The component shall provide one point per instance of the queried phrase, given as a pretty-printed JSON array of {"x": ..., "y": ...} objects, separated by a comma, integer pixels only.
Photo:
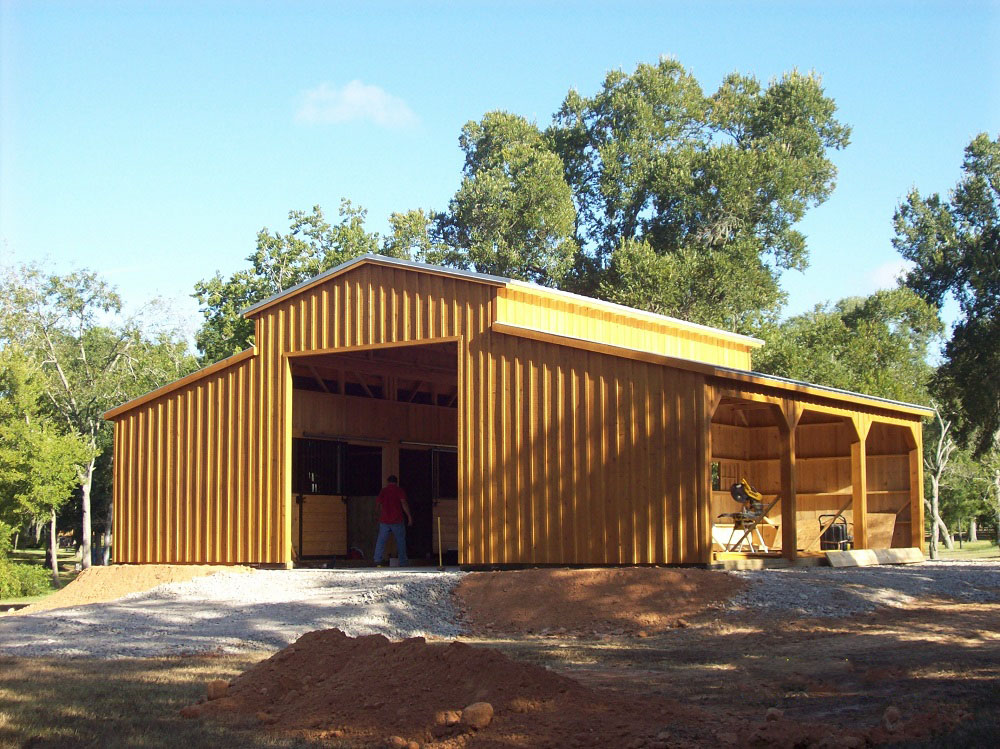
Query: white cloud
[
  {"x": 886, "y": 275},
  {"x": 356, "y": 101}
]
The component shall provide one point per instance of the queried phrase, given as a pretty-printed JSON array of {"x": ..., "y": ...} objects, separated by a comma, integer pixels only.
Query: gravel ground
[
  {"x": 847, "y": 591},
  {"x": 262, "y": 610}
]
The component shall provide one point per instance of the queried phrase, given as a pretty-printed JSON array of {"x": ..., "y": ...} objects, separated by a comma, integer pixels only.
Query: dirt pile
[
  {"x": 628, "y": 601},
  {"x": 100, "y": 584},
  {"x": 368, "y": 690}
]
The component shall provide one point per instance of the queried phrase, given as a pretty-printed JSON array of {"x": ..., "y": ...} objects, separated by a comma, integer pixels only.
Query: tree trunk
[
  {"x": 85, "y": 486},
  {"x": 17, "y": 536},
  {"x": 973, "y": 536},
  {"x": 996, "y": 501},
  {"x": 935, "y": 531},
  {"x": 949, "y": 542},
  {"x": 108, "y": 537},
  {"x": 54, "y": 550},
  {"x": 38, "y": 526}
]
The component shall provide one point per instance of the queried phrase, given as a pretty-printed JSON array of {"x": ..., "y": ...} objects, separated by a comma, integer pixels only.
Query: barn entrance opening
[
  {"x": 359, "y": 416},
  {"x": 745, "y": 447}
]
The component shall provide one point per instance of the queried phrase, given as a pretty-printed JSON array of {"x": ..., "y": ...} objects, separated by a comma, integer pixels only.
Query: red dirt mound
[
  {"x": 100, "y": 584},
  {"x": 627, "y": 600},
  {"x": 369, "y": 691}
]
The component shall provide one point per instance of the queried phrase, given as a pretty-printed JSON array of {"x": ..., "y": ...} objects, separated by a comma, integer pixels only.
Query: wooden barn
[{"x": 531, "y": 426}]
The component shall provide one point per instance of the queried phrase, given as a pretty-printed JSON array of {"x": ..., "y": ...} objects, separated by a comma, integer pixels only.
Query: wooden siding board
[{"x": 576, "y": 317}]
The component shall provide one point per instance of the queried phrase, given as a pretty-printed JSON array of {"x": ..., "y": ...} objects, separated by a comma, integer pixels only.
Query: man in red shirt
[{"x": 393, "y": 505}]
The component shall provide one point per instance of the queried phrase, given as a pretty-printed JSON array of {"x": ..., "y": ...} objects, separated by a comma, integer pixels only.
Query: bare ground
[
  {"x": 102, "y": 584},
  {"x": 656, "y": 658}
]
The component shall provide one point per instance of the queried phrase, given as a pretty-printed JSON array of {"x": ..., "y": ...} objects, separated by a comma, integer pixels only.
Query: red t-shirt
[{"x": 391, "y": 498}]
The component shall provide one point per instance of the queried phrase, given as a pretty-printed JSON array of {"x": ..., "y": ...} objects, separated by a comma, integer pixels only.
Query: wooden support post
[
  {"x": 859, "y": 479},
  {"x": 917, "y": 490},
  {"x": 705, "y": 410},
  {"x": 286, "y": 399},
  {"x": 390, "y": 461},
  {"x": 788, "y": 420},
  {"x": 711, "y": 400}
]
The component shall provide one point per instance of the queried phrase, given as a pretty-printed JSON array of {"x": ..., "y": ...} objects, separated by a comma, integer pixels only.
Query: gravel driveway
[
  {"x": 261, "y": 610},
  {"x": 265, "y": 610},
  {"x": 847, "y": 591}
]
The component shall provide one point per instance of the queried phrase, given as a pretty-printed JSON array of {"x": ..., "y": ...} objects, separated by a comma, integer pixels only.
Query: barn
[{"x": 529, "y": 426}]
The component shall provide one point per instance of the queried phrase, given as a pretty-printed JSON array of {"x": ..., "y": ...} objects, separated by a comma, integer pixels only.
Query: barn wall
[
  {"x": 596, "y": 459},
  {"x": 186, "y": 479},
  {"x": 355, "y": 417},
  {"x": 888, "y": 483},
  {"x": 604, "y": 324}
]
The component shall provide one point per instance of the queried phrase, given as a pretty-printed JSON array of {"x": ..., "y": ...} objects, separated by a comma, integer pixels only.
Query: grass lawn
[
  {"x": 971, "y": 550},
  {"x": 73, "y": 702},
  {"x": 67, "y": 570}
]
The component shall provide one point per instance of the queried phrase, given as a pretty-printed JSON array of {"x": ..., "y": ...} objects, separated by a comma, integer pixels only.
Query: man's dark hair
[{"x": 393, "y": 480}]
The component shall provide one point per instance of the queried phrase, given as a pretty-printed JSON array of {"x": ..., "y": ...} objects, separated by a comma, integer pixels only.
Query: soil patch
[
  {"x": 365, "y": 691},
  {"x": 100, "y": 584},
  {"x": 370, "y": 691},
  {"x": 630, "y": 600}
]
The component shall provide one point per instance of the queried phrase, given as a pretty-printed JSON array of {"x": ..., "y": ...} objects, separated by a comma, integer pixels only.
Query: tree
[
  {"x": 967, "y": 497},
  {"x": 40, "y": 465},
  {"x": 955, "y": 246},
  {"x": 513, "y": 214},
  {"x": 412, "y": 236},
  {"x": 876, "y": 345},
  {"x": 938, "y": 452},
  {"x": 677, "y": 191},
  {"x": 311, "y": 246},
  {"x": 90, "y": 356}
]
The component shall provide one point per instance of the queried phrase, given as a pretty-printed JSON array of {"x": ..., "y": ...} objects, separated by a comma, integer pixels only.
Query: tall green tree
[
  {"x": 679, "y": 192},
  {"x": 40, "y": 463},
  {"x": 90, "y": 355},
  {"x": 513, "y": 214},
  {"x": 876, "y": 345},
  {"x": 955, "y": 247},
  {"x": 311, "y": 245}
]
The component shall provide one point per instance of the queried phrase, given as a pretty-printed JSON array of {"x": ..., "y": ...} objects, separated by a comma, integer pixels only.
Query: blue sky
[{"x": 150, "y": 141}]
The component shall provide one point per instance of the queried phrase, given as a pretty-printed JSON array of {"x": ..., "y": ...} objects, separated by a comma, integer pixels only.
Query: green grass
[
  {"x": 971, "y": 550},
  {"x": 75, "y": 702},
  {"x": 67, "y": 571}
]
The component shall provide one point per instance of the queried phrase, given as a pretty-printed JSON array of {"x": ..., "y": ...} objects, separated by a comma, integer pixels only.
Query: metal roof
[{"x": 827, "y": 388}]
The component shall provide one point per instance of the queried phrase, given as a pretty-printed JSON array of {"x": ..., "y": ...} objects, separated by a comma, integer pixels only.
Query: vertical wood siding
[
  {"x": 181, "y": 490},
  {"x": 575, "y": 457},
  {"x": 604, "y": 324}
]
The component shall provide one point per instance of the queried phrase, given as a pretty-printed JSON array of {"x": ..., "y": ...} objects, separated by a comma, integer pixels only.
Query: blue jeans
[{"x": 399, "y": 533}]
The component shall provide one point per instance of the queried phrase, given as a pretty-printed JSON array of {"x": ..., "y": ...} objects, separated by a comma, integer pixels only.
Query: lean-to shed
[{"x": 531, "y": 426}]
